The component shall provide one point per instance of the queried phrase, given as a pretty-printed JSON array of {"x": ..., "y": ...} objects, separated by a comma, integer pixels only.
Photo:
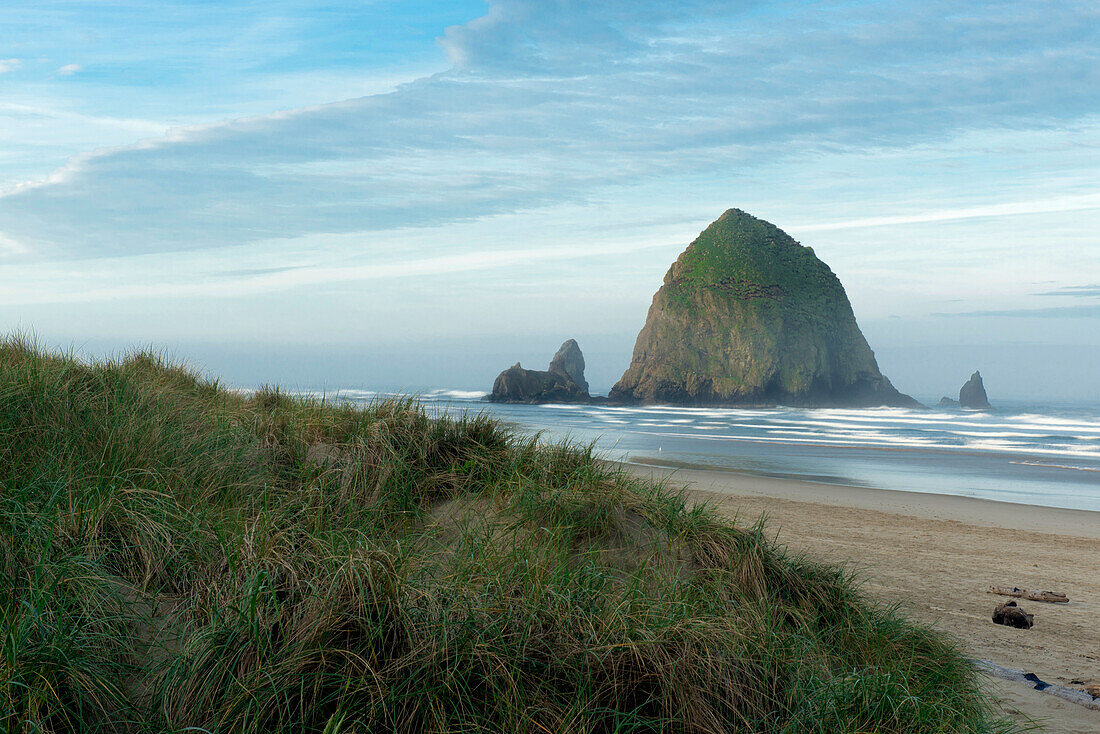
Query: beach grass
[{"x": 176, "y": 556}]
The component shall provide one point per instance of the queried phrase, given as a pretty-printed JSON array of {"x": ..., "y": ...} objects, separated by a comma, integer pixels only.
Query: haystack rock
[
  {"x": 972, "y": 394},
  {"x": 563, "y": 383},
  {"x": 747, "y": 316}
]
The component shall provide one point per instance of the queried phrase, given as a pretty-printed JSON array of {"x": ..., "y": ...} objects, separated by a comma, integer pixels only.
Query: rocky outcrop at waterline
[
  {"x": 748, "y": 316},
  {"x": 972, "y": 394},
  {"x": 563, "y": 382}
]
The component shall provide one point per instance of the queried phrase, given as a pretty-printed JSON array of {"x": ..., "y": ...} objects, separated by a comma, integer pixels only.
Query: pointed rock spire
[{"x": 972, "y": 394}]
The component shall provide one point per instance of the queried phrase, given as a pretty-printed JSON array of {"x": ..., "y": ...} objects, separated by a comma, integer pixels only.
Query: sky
[{"x": 412, "y": 194}]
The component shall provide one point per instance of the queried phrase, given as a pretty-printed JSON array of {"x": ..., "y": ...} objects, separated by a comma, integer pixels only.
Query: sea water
[{"x": 1032, "y": 454}]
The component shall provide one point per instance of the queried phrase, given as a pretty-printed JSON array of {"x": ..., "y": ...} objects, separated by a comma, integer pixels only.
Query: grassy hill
[{"x": 174, "y": 554}]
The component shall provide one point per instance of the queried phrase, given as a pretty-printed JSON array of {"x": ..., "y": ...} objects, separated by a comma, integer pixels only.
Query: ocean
[{"x": 1024, "y": 453}]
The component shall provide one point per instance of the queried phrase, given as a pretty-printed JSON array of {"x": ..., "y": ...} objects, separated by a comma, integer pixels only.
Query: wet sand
[{"x": 936, "y": 556}]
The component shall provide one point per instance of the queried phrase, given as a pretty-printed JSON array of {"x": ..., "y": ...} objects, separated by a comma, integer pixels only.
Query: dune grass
[{"x": 177, "y": 557}]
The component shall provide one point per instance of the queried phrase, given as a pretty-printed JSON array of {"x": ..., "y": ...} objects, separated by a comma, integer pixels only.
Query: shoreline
[
  {"x": 926, "y": 505},
  {"x": 934, "y": 557}
]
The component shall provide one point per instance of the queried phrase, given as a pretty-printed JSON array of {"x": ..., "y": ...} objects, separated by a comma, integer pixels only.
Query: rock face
[
  {"x": 569, "y": 362},
  {"x": 972, "y": 394},
  {"x": 747, "y": 316},
  {"x": 563, "y": 383},
  {"x": 948, "y": 401}
]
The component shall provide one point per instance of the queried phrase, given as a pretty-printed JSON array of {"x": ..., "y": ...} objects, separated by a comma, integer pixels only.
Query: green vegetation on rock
[
  {"x": 178, "y": 557},
  {"x": 746, "y": 315}
]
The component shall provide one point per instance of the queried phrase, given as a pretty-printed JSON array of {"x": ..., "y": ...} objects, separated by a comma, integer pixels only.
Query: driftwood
[
  {"x": 1069, "y": 694},
  {"x": 1049, "y": 596},
  {"x": 1011, "y": 615}
]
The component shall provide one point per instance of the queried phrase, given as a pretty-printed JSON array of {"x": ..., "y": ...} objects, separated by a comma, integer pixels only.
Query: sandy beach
[{"x": 935, "y": 556}]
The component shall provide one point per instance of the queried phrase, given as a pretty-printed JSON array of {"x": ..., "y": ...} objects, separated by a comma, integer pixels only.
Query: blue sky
[{"x": 404, "y": 194}]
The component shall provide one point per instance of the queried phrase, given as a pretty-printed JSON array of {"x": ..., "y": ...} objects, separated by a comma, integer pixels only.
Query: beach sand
[{"x": 936, "y": 556}]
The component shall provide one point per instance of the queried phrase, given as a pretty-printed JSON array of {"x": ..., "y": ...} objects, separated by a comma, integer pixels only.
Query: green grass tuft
[{"x": 179, "y": 557}]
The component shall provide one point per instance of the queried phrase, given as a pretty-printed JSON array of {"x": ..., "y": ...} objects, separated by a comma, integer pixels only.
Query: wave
[
  {"x": 356, "y": 394},
  {"x": 1030, "y": 434},
  {"x": 455, "y": 394},
  {"x": 1035, "y": 457},
  {"x": 1052, "y": 422},
  {"x": 901, "y": 442},
  {"x": 1057, "y": 466}
]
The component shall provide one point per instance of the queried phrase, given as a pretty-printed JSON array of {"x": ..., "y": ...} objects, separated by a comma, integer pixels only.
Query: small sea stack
[
  {"x": 562, "y": 382},
  {"x": 972, "y": 394}
]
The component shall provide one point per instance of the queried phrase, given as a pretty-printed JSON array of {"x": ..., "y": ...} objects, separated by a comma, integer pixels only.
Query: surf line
[{"x": 1055, "y": 466}]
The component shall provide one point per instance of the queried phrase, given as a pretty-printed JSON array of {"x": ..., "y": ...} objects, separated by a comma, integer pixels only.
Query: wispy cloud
[
  {"x": 1058, "y": 312},
  {"x": 1076, "y": 291},
  {"x": 1016, "y": 208},
  {"x": 8, "y": 246},
  {"x": 68, "y": 286},
  {"x": 244, "y": 273},
  {"x": 553, "y": 102},
  {"x": 7, "y": 65},
  {"x": 70, "y": 69}
]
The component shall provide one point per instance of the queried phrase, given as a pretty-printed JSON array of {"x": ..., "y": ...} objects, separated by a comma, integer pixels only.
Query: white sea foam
[
  {"x": 857, "y": 441},
  {"x": 1048, "y": 422},
  {"x": 1058, "y": 466},
  {"x": 455, "y": 394},
  {"x": 349, "y": 394},
  {"x": 1030, "y": 434}
]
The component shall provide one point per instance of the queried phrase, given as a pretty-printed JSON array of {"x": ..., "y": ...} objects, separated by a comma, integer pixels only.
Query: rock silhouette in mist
[{"x": 972, "y": 394}]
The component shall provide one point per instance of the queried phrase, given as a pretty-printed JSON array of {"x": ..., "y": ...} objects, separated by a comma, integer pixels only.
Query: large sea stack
[{"x": 747, "y": 316}]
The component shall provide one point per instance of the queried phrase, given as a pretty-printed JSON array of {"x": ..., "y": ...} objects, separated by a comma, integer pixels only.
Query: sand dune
[{"x": 936, "y": 555}]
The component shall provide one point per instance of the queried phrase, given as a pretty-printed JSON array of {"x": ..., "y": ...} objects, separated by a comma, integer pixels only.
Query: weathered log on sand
[
  {"x": 1053, "y": 597},
  {"x": 1068, "y": 694},
  {"x": 1011, "y": 615}
]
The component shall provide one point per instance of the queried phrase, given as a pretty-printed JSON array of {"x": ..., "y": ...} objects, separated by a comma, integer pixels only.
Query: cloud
[
  {"x": 70, "y": 69},
  {"x": 1045, "y": 206},
  {"x": 1078, "y": 291},
  {"x": 81, "y": 286},
  {"x": 559, "y": 101},
  {"x": 8, "y": 246},
  {"x": 7, "y": 65},
  {"x": 1059, "y": 312},
  {"x": 236, "y": 273}
]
